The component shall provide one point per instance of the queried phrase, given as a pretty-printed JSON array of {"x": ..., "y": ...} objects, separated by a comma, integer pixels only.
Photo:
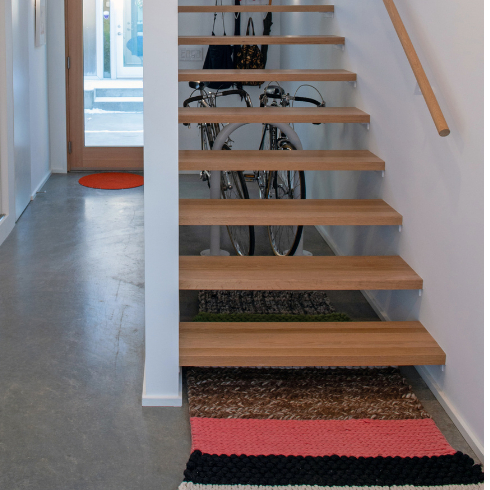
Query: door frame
[{"x": 79, "y": 156}]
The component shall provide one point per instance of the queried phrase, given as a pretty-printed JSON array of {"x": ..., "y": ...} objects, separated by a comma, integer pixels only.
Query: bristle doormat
[
  {"x": 276, "y": 317},
  {"x": 265, "y": 302},
  {"x": 312, "y": 428},
  {"x": 112, "y": 180}
]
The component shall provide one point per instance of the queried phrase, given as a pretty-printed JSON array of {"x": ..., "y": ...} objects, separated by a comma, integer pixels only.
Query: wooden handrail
[{"x": 418, "y": 70}]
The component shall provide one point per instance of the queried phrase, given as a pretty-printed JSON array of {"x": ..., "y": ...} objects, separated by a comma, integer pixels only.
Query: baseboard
[
  {"x": 373, "y": 302},
  {"x": 328, "y": 239},
  {"x": 449, "y": 408},
  {"x": 452, "y": 411},
  {"x": 59, "y": 170},
  {"x": 40, "y": 186},
  {"x": 161, "y": 400},
  {"x": 367, "y": 294},
  {"x": 7, "y": 224}
]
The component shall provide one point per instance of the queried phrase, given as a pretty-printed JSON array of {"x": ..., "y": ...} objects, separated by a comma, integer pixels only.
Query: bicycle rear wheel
[
  {"x": 233, "y": 186},
  {"x": 286, "y": 184}
]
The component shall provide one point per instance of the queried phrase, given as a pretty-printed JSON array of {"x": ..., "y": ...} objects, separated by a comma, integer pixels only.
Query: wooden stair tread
[
  {"x": 256, "y": 75},
  {"x": 308, "y": 344},
  {"x": 308, "y": 212},
  {"x": 189, "y": 9},
  {"x": 244, "y": 40},
  {"x": 279, "y": 160},
  {"x": 297, "y": 273},
  {"x": 272, "y": 115}
]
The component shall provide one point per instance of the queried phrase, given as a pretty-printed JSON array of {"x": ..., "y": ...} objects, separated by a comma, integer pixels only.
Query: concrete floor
[{"x": 71, "y": 346}]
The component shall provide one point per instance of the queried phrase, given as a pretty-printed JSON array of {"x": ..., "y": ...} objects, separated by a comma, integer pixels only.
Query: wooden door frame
[{"x": 81, "y": 157}]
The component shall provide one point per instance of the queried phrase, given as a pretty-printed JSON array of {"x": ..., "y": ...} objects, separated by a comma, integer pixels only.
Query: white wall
[
  {"x": 435, "y": 183},
  {"x": 38, "y": 94},
  {"x": 56, "y": 84},
  {"x": 161, "y": 385},
  {"x": 35, "y": 133}
]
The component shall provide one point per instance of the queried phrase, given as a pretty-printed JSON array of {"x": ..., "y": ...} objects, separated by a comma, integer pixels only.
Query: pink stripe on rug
[{"x": 358, "y": 438}]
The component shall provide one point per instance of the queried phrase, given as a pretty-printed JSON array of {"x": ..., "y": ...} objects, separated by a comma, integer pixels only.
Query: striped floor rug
[{"x": 306, "y": 429}]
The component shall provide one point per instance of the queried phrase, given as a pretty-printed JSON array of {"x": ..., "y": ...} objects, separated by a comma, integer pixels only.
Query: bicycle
[
  {"x": 281, "y": 184},
  {"x": 233, "y": 185}
]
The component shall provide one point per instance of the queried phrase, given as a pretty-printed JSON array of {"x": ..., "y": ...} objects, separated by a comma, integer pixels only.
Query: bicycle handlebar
[
  {"x": 241, "y": 93},
  {"x": 298, "y": 99}
]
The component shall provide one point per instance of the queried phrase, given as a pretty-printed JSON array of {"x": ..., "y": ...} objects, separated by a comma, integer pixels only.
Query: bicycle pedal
[{"x": 249, "y": 177}]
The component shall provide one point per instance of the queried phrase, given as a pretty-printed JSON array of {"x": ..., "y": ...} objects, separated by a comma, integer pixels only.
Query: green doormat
[{"x": 251, "y": 317}]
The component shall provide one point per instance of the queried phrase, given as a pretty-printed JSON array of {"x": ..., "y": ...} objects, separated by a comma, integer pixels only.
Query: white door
[
  {"x": 129, "y": 38},
  {"x": 22, "y": 120}
]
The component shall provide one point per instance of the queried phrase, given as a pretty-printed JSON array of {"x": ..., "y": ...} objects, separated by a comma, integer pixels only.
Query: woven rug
[
  {"x": 265, "y": 302},
  {"x": 311, "y": 428}
]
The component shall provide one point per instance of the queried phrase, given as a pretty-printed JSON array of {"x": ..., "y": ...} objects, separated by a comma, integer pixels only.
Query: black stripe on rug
[{"x": 456, "y": 469}]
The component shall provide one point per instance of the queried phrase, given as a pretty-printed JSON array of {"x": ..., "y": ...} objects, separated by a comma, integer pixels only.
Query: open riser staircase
[{"x": 291, "y": 344}]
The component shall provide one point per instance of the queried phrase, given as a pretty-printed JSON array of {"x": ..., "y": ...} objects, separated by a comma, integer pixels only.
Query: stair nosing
[
  {"x": 306, "y": 212},
  {"x": 307, "y": 344},
  {"x": 254, "y": 8},
  {"x": 284, "y": 160},
  {"x": 269, "y": 40},
  {"x": 349, "y": 115},
  {"x": 209, "y": 75}
]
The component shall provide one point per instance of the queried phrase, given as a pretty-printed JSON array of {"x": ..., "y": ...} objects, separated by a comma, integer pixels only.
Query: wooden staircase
[{"x": 291, "y": 344}]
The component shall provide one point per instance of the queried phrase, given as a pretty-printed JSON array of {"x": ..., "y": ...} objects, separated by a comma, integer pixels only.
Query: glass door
[
  {"x": 105, "y": 84},
  {"x": 129, "y": 38}
]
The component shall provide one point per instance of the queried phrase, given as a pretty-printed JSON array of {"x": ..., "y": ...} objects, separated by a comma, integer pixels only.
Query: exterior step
[
  {"x": 255, "y": 8},
  {"x": 287, "y": 212},
  {"x": 236, "y": 40},
  {"x": 272, "y": 115},
  {"x": 255, "y": 75},
  {"x": 296, "y": 273},
  {"x": 120, "y": 104},
  {"x": 280, "y": 160},
  {"x": 308, "y": 344},
  {"x": 119, "y": 92}
]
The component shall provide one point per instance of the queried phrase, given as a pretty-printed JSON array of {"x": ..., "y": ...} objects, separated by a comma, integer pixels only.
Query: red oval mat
[{"x": 112, "y": 180}]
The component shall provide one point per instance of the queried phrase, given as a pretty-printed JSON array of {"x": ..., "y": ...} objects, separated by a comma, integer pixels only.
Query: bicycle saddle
[
  {"x": 274, "y": 91},
  {"x": 198, "y": 85}
]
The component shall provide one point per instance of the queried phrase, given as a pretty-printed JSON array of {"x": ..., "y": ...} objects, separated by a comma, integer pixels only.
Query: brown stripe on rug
[{"x": 306, "y": 394}]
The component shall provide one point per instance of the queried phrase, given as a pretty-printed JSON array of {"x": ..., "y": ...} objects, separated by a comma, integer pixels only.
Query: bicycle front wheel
[
  {"x": 233, "y": 186},
  {"x": 286, "y": 184}
]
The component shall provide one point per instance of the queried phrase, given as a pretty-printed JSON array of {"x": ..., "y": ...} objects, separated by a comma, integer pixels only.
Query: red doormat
[{"x": 112, "y": 180}]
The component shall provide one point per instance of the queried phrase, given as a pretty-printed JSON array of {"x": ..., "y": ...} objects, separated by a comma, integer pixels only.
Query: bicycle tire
[
  {"x": 242, "y": 237},
  {"x": 285, "y": 239}
]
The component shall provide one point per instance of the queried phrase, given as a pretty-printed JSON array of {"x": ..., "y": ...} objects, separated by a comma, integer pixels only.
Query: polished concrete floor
[{"x": 71, "y": 346}]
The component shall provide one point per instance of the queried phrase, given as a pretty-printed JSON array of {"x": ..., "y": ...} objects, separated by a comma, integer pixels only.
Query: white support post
[
  {"x": 215, "y": 193},
  {"x": 218, "y": 143},
  {"x": 215, "y": 230},
  {"x": 162, "y": 383}
]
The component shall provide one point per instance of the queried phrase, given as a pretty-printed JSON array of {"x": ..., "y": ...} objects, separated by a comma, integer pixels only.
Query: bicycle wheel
[
  {"x": 233, "y": 186},
  {"x": 286, "y": 184},
  {"x": 261, "y": 176}
]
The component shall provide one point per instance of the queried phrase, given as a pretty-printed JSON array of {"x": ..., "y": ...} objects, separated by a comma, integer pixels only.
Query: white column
[{"x": 160, "y": 90}]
